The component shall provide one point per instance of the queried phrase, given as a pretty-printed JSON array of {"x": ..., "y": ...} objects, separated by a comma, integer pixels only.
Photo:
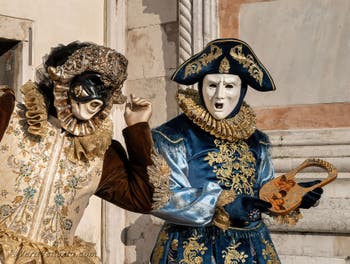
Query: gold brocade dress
[
  {"x": 44, "y": 192},
  {"x": 43, "y": 196}
]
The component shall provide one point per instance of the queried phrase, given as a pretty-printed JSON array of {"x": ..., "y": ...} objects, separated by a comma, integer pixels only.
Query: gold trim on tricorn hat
[{"x": 227, "y": 56}]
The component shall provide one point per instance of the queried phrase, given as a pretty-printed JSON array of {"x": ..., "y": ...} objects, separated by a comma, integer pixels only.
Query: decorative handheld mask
[{"x": 283, "y": 192}]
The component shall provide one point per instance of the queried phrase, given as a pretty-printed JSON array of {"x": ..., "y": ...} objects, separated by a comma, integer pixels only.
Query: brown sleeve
[
  {"x": 7, "y": 104},
  {"x": 124, "y": 181}
]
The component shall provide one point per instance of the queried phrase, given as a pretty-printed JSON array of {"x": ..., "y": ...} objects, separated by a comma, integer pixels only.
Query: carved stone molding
[
  {"x": 185, "y": 30},
  {"x": 20, "y": 29},
  {"x": 197, "y": 26},
  {"x": 113, "y": 217},
  {"x": 290, "y": 148}
]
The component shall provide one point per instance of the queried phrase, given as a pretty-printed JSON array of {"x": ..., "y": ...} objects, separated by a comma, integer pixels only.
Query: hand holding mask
[{"x": 286, "y": 195}]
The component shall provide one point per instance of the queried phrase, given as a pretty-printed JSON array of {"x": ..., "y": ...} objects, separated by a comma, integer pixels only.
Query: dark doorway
[{"x": 10, "y": 58}]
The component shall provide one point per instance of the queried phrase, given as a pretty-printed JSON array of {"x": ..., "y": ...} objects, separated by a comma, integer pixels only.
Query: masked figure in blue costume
[{"x": 218, "y": 161}]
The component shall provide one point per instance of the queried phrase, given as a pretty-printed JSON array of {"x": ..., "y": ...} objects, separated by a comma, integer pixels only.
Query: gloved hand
[
  {"x": 246, "y": 209},
  {"x": 310, "y": 198}
]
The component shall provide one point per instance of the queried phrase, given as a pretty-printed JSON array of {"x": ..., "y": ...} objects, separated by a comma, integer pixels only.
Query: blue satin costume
[
  {"x": 197, "y": 159},
  {"x": 205, "y": 164}
]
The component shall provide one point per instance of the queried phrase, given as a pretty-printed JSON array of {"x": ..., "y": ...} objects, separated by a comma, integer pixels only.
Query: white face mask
[
  {"x": 85, "y": 111},
  {"x": 221, "y": 94}
]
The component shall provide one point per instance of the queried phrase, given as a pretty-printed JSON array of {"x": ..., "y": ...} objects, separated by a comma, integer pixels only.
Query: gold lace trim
[
  {"x": 87, "y": 147},
  {"x": 290, "y": 219},
  {"x": 19, "y": 249},
  {"x": 83, "y": 148},
  {"x": 68, "y": 121},
  {"x": 159, "y": 175},
  {"x": 221, "y": 218},
  {"x": 239, "y": 127},
  {"x": 36, "y": 112}
]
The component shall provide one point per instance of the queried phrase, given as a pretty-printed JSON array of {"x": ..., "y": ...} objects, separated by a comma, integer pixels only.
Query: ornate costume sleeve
[
  {"x": 265, "y": 168},
  {"x": 124, "y": 180},
  {"x": 7, "y": 103},
  {"x": 187, "y": 205}
]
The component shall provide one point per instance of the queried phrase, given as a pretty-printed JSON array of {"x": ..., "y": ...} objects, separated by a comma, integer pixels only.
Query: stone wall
[
  {"x": 152, "y": 33},
  {"x": 324, "y": 231},
  {"x": 304, "y": 45},
  {"x": 58, "y": 21},
  {"x": 152, "y": 46}
]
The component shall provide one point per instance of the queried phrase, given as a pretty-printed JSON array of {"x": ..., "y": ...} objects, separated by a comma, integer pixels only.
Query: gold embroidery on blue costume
[
  {"x": 237, "y": 168},
  {"x": 269, "y": 253},
  {"x": 158, "y": 251},
  {"x": 232, "y": 255},
  {"x": 193, "y": 250}
]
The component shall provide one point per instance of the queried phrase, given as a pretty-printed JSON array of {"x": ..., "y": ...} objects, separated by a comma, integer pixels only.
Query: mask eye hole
[
  {"x": 95, "y": 104},
  {"x": 212, "y": 85},
  {"x": 78, "y": 90},
  {"x": 230, "y": 86}
]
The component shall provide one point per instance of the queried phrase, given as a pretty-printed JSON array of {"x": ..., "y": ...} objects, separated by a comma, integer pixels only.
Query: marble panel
[
  {"x": 313, "y": 260},
  {"x": 149, "y": 51},
  {"x": 316, "y": 245},
  {"x": 305, "y": 45},
  {"x": 142, "y": 13},
  {"x": 161, "y": 92}
]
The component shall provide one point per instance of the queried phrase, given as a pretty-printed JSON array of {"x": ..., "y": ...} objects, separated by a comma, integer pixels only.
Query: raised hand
[{"x": 137, "y": 110}]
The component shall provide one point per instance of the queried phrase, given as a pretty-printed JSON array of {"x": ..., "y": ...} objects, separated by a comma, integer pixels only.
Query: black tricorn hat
[{"x": 230, "y": 56}]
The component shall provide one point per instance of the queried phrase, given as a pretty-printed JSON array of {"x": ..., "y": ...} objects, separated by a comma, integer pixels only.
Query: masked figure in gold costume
[{"x": 56, "y": 151}]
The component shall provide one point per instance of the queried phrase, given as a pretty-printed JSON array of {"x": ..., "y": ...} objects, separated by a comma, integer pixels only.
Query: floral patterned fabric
[
  {"x": 42, "y": 193},
  {"x": 16, "y": 249}
]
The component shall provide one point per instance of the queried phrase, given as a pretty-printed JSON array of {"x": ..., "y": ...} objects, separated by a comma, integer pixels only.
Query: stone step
[
  {"x": 285, "y": 259},
  {"x": 331, "y": 216},
  {"x": 320, "y": 245},
  {"x": 310, "y": 137}
]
